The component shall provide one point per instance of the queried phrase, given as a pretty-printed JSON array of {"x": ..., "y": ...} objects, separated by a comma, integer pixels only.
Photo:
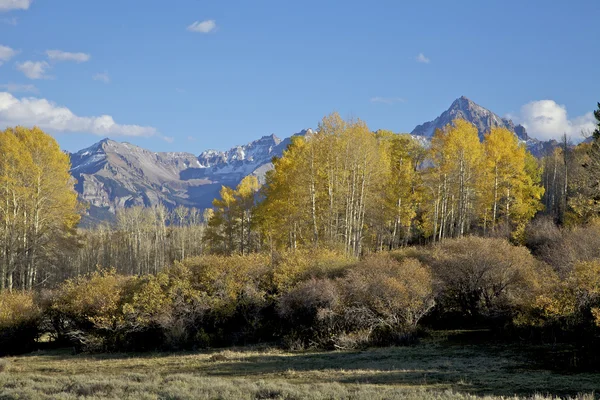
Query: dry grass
[{"x": 429, "y": 371}]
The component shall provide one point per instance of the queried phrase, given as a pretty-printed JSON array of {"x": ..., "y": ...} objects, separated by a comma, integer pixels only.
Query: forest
[{"x": 357, "y": 239}]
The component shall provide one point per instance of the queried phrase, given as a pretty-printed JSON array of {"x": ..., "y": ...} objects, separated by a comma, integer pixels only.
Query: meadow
[{"x": 434, "y": 369}]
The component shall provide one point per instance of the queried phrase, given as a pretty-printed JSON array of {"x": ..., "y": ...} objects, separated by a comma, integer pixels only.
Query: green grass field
[{"x": 428, "y": 371}]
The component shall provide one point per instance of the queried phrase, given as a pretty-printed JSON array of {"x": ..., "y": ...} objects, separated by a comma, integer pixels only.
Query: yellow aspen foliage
[
  {"x": 511, "y": 190},
  {"x": 324, "y": 188},
  {"x": 38, "y": 206},
  {"x": 457, "y": 157},
  {"x": 230, "y": 225}
]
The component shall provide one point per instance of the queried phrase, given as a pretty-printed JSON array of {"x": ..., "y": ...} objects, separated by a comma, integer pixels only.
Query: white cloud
[
  {"x": 34, "y": 69},
  {"x": 203, "y": 27},
  {"x": 545, "y": 120},
  {"x": 387, "y": 100},
  {"x": 59, "y": 55},
  {"x": 103, "y": 77},
  {"x": 422, "y": 59},
  {"x": 51, "y": 117},
  {"x": 17, "y": 88},
  {"x": 7, "y": 5},
  {"x": 6, "y": 53}
]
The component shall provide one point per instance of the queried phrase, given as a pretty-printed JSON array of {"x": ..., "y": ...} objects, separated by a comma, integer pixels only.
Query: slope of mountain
[
  {"x": 484, "y": 120},
  {"x": 112, "y": 175}
]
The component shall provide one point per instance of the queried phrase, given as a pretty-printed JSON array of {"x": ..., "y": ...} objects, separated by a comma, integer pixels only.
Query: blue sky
[{"x": 188, "y": 75}]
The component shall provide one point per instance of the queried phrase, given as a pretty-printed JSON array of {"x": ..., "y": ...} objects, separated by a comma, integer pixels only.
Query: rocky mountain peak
[{"x": 465, "y": 108}]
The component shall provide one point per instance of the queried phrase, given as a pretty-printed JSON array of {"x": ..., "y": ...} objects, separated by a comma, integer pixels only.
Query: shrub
[
  {"x": 378, "y": 302},
  {"x": 575, "y": 299},
  {"x": 541, "y": 234},
  {"x": 91, "y": 307},
  {"x": 233, "y": 292},
  {"x": 20, "y": 318},
  {"x": 485, "y": 278},
  {"x": 397, "y": 293},
  {"x": 93, "y": 300},
  {"x": 310, "y": 310},
  {"x": 568, "y": 311},
  {"x": 292, "y": 267},
  {"x": 581, "y": 243}
]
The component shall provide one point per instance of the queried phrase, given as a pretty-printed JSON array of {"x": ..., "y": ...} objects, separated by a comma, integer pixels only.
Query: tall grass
[{"x": 431, "y": 371}]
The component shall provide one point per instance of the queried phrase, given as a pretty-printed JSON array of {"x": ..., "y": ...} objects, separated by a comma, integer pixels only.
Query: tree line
[
  {"x": 348, "y": 188},
  {"x": 343, "y": 187}
]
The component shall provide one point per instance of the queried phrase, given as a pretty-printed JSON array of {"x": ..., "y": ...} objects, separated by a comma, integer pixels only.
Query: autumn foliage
[{"x": 358, "y": 238}]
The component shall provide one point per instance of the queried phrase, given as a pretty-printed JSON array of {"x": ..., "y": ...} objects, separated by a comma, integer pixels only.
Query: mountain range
[{"x": 112, "y": 175}]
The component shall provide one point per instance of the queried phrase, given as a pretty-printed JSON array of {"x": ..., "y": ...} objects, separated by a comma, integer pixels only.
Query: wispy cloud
[
  {"x": 422, "y": 59},
  {"x": 8, "y": 5},
  {"x": 102, "y": 77},
  {"x": 34, "y": 69},
  {"x": 59, "y": 55},
  {"x": 387, "y": 100},
  {"x": 546, "y": 119},
  {"x": 47, "y": 115},
  {"x": 203, "y": 27},
  {"x": 10, "y": 21},
  {"x": 18, "y": 88},
  {"x": 6, "y": 53}
]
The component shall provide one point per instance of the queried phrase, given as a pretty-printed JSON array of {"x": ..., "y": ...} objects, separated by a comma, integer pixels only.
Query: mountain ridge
[{"x": 112, "y": 175}]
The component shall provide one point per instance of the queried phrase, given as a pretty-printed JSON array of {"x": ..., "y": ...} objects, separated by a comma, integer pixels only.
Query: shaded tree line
[{"x": 326, "y": 299}]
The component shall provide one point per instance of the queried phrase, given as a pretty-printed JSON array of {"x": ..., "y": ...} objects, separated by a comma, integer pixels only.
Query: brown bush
[
  {"x": 485, "y": 277},
  {"x": 577, "y": 244},
  {"x": 310, "y": 309},
  {"x": 397, "y": 294},
  {"x": 303, "y": 303},
  {"x": 541, "y": 234}
]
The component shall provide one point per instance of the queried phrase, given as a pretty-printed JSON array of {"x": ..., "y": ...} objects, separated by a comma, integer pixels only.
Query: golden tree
[
  {"x": 457, "y": 155},
  {"x": 39, "y": 207},
  {"x": 510, "y": 186},
  {"x": 229, "y": 227}
]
